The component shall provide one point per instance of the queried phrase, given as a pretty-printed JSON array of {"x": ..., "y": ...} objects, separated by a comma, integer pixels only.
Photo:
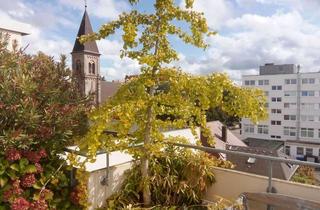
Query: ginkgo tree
[{"x": 162, "y": 97}]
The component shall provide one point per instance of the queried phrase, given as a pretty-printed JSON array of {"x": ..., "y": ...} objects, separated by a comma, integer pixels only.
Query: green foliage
[
  {"x": 125, "y": 113},
  {"x": 162, "y": 97},
  {"x": 40, "y": 107},
  {"x": 213, "y": 114},
  {"x": 305, "y": 175},
  {"x": 178, "y": 177},
  {"x": 45, "y": 185},
  {"x": 39, "y": 102}
]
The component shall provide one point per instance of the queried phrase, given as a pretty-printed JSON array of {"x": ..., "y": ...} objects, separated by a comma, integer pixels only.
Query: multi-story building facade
[{"x": 293, "y": 103}]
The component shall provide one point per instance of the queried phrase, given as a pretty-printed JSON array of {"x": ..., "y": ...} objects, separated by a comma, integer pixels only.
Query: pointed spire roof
[{"x": 85, "y": 28}]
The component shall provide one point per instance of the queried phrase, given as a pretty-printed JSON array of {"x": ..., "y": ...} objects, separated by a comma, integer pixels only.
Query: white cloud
[
  {"x": 109, "y": 9},
  {"x": 37, "y": 20},
  {"x": 215, "y": 11},
  {"x": 255, "y": 40},
  {"x": 117, "y": 68}
]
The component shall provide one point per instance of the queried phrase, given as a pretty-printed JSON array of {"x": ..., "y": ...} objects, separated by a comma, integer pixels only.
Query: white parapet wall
[
  {"x": 104, "y": 181},
  {"x": 98, "y": 191},
  {"x": 230, "y": 184}
]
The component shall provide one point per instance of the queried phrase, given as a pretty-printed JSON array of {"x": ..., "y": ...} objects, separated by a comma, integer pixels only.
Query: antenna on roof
[{"x": 85, "y": 4}]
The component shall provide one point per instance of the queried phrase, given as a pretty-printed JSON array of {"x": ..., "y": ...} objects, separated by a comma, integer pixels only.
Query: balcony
[{"x": 252, "y": 191}]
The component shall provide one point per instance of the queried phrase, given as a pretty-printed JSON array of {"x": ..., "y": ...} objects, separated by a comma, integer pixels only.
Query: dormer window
[{"x": 92, "y": 67}]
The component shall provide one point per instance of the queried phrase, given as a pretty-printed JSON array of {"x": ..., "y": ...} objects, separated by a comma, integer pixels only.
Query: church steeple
[
  {"x": 85, "y": 29},
  {"x": 86, "y": 62}
]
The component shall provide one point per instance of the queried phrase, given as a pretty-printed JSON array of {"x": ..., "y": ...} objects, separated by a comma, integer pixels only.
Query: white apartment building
[{"x": 293, "y": 107}]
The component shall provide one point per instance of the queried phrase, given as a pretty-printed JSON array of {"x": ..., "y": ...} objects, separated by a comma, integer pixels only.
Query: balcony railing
[{"x": 305, "y": 200}]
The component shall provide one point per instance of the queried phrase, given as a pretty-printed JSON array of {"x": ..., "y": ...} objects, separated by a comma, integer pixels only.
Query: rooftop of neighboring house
[
  {"x": 268, "y": 144},
  {"x": 258, "y": 166},
  {"x": 216, "y": 131},
  {"x": 108, "y": 89}
]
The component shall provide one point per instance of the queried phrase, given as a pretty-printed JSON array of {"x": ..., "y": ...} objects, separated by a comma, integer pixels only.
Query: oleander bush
[{"x": 41, "y": 112}]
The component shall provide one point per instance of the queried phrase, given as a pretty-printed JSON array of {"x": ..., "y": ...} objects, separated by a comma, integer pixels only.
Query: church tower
[{"x": 86, "y": 62}]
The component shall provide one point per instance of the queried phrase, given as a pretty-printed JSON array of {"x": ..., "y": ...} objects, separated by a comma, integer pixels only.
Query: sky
[{"x": 250, "y": 33}]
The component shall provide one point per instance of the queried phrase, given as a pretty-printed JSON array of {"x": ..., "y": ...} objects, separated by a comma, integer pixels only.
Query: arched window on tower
[
  {"x": 78, "y": 65},
  {"x": 92, "y": 67}
]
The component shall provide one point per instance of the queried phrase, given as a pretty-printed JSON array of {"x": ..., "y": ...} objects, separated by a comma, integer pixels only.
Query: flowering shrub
[
  {"x": 41, "y": 111},
  {"x": 27, "y": 184}
]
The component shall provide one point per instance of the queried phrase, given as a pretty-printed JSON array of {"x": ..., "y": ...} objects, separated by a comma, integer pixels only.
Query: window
[
  {"x": 78, "y": 65},
  {"x": 263, "y": 129},
  {"x": 308, "y": 81},
  {"x": 309, "y": 118},
  {"x": 290, "y": 105},
  {"x": 290, "y": 81},
  {"x": 276, "y": 87},
  {"x": 309, "y": 151},
  {"x": 287, "y": 150},
  {"x": 92, "y": 67},
  {"x": 266, "y": 93},
  {"x": 289, "y": 117},
  {"x": 300, "y": 151},
  {"x": 275, "y": 122},
  {"x": 276, "y": 111},
  {"x": 307, "y": 132},
  {"x": 248, "y": 128},
  {"x": 247, "y": 82},
  {"x": 274, "y": 99},
  {"x": 266, "y": 105},
  {"x": 307, "y": 105},
  {"x": 263, "y": 82},
  {"x": 290, "y": 93},
  {"x": 275, "y": 137},
  {"x": 289, "y": 131},
  {"x": 307, "y": 93}
]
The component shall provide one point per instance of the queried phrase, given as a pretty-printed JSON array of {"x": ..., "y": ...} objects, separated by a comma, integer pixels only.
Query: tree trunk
[
  {"x": 146, "y": 187},
  {"x": 147, "y": 139},
  {"x": 145, "y": 160}
]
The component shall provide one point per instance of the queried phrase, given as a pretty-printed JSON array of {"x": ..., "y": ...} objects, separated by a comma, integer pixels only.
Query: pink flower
[
  {"x": 13, "y": 154},
  {"x": 7, "y": 195},
  {"x": 39, "y": 168},
  {"x": 28, "y": 180},
  {"x": 42, "y": 153},
  {"x": 20, "y": 204},
  {"x": 13, "y": 191},
  {"x": 39, "y": 205},
  {"x": 46, "y": 194},
  {"x": 74, "y": 196},
  {"x": 16, "y": 187},
  {"x": 32, "y": 156}
]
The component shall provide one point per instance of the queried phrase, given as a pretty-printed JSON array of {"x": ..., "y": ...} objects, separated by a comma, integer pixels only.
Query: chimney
[{"x": 224, "y": 133}]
